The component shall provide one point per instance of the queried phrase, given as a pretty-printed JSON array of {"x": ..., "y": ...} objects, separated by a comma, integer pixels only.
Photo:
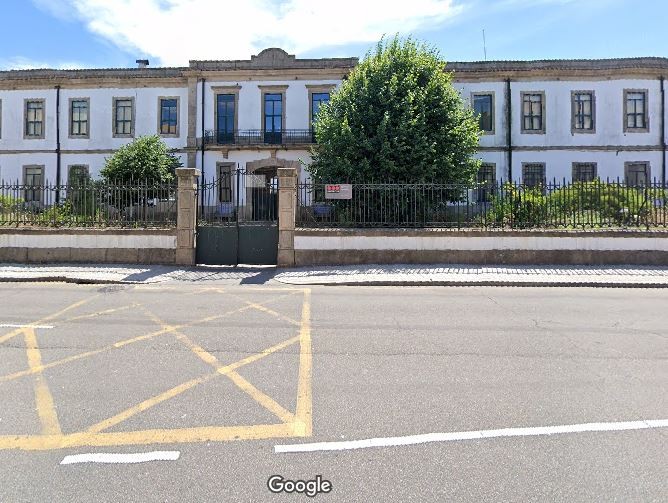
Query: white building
[{"x": 568, "y": 118}]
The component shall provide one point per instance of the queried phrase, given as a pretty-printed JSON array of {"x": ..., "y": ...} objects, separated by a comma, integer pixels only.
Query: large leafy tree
[
  {"x": 145, "y": 160},
  {"x": 396, "y": 118}
]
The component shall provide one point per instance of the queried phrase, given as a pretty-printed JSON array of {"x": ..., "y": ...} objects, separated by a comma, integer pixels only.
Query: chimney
[{"x": 142, "y": 63}]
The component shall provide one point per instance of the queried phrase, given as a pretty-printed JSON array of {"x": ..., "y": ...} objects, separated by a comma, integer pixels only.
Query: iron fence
[
  {"x": 237, "y": 196},
  {"x": 502, "y": 205},
  {"x": 259, "y": 137},
  {"x": 89, "y": 203}
]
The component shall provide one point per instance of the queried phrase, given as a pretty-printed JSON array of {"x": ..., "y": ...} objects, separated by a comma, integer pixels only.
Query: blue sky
[{"x": 113, "y": 33}]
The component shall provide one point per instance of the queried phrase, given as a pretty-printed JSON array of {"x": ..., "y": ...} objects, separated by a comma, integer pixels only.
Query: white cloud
[
  {"x": 21, "y": 63},
  {"x": 175, "y": 31}
]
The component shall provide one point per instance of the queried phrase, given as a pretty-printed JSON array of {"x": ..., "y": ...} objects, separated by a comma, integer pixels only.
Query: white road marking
[
  {"x": 11, "y": 325},
  {"x": 471, "y": 435},
  {"x": 140, "y": 457}
]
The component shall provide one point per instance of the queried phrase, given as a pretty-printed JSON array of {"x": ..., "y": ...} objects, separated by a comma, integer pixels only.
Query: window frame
[
  {"x": 71, "y": 121},
  {"x": 317, "y": 89},
  {"x": 86, "y": 168},
  {"x": 178, "y": 117},
  {"x": 574, "y": 128},
  {"x": 493, "y": 114},
  {"x": 648, "y": 172},
  {"x": 526, "y": 166},
  {"x": 483, "y": 195},
  {"x": 264, "y": 90},
  {"x": 41, "y": 167},
  {"x": 26, "y": 136},
  {"x": 230, "y": 90},
  {"x": 577, "y": 164},
  {"x": 543, "y": 110},
  {"x": 228, "y": 167},
  {"x": 116, "y": 99},
  {"x": 628, "y": 129}
]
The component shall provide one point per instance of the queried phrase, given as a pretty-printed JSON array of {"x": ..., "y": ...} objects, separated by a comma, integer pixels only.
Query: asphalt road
[{"x": 222, "y": 373}]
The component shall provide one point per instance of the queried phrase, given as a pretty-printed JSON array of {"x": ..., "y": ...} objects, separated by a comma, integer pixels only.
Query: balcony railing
[{"x": 259, "y": 137}]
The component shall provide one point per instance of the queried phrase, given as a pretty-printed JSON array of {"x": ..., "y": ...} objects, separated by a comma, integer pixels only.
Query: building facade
[{"x": 542, "y": 120}]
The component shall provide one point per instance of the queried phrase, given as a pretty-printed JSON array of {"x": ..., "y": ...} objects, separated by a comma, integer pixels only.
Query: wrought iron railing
[
  {"x": 238, "y": 196},
  {"x": 259, "y": 137},
  {"x": 91, "y": 203},
  {"x": 556, "y": 205}
]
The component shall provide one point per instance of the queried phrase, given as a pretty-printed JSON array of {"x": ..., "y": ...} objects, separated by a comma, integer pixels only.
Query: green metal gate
[{"x": 237, "y": 218}]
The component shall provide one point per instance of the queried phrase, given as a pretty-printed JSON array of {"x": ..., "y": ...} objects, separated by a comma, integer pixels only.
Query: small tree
[
  {"x": 396, "y": 118},
  {"x": 146, "y": 160}
]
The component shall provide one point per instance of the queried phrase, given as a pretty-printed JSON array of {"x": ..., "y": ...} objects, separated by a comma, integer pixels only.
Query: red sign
[{"x": 333, "y": 189}]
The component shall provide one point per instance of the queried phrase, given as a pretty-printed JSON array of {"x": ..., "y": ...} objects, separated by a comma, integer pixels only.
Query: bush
[
  {"x": 580, "y": 204},
  {"x": 147, "y": 160},
  {"x": 518, "y": 206}
]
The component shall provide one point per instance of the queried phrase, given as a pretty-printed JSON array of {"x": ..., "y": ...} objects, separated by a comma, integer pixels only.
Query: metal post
[
  {"x": 57, "y": 145},
  {"x": 236, "y": 211}
]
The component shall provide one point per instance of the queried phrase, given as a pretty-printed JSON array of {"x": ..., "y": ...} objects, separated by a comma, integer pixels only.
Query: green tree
[
  {"x": 396, "y": 118},
  {"x": 146, "y": 159}
]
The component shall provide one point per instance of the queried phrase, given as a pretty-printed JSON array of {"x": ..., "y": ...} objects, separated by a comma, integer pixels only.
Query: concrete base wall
[
  {"x": 417, "y": 246},
  {"x": 119, "y": 246}
]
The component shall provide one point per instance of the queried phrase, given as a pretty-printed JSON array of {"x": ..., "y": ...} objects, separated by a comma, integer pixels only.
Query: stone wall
[
  {"x": 414, "y": 246},
  {"x": 126, "y": 246}
]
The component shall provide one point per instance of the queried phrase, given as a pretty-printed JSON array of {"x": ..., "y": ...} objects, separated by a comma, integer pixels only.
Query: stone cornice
[
  {"x": 275, "y": 59},
  {"x": 275, "y": 64}
]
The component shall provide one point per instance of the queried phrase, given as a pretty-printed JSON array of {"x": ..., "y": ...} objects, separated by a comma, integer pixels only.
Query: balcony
[{"x": 254, "y": 137}]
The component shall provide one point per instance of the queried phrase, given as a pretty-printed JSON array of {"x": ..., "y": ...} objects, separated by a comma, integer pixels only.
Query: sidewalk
[{"x": 380, "y": 275}]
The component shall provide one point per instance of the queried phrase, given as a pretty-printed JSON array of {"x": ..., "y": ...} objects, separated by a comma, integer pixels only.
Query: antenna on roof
[{"x": 484, "y": 44}]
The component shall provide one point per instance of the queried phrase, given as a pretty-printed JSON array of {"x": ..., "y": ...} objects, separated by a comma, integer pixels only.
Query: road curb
[
  {"x": 64, "y": 279},
  {"x": 526, "y": 284},
  {"x": 444, "y": 283}
]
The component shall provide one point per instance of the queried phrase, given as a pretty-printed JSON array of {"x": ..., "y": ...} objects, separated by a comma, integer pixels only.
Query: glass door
[
  {"x": 273, "y": 118},
  {"x": 225, "y": 117}
]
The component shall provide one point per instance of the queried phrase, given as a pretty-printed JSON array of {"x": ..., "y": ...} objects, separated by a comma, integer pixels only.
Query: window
[
  {"x": 582, "y": 106},
  {"x": 34, "y": 123},
  {"x": 637, "y": 174},
  {"x": 123, "y": 117},
  {"x": 533, "y": 174},
  {"x": 168, "y": 116},
  {"x": 533, "y": 112},
  {"x": 79, "y": 118},
  {"x": 635, "y": 111},
  {"x": 225, "y": 183},
  {"x": 487, "y": 183},
  {"x": 225, "y": 116},
  {"x": 483, "y": 106},
  {"x": 273, "y": 117},
  {"x": 33, "y": 181},
  {"x": 77, "y": 174},
  {"x": 584, "y": 171},
  {"x": 317, "y": 100}
]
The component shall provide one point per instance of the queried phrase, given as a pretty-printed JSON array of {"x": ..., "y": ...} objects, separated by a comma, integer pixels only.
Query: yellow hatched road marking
[
  {"x": 43, "y": 399},
  {"x": 147, "y": 404},
  {"x": 120, "y": 344},
  {"x": 304, "y": 420},
  {"x": 100, "y": 313},
  {"x": 146, "y": 437},
  {"x": 294, "y": 425},
  {"x": 263, "y": 399},
  {"x": 19, "y": 331},
  {"x": 273, "y": 313},
  {"x": 181, "y": 388}
]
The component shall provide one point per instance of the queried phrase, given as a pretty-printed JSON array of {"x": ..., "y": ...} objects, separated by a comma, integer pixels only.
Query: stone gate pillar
[
  {"x": 186, "y": 216},
  {"x": 287, "y": 209}
]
